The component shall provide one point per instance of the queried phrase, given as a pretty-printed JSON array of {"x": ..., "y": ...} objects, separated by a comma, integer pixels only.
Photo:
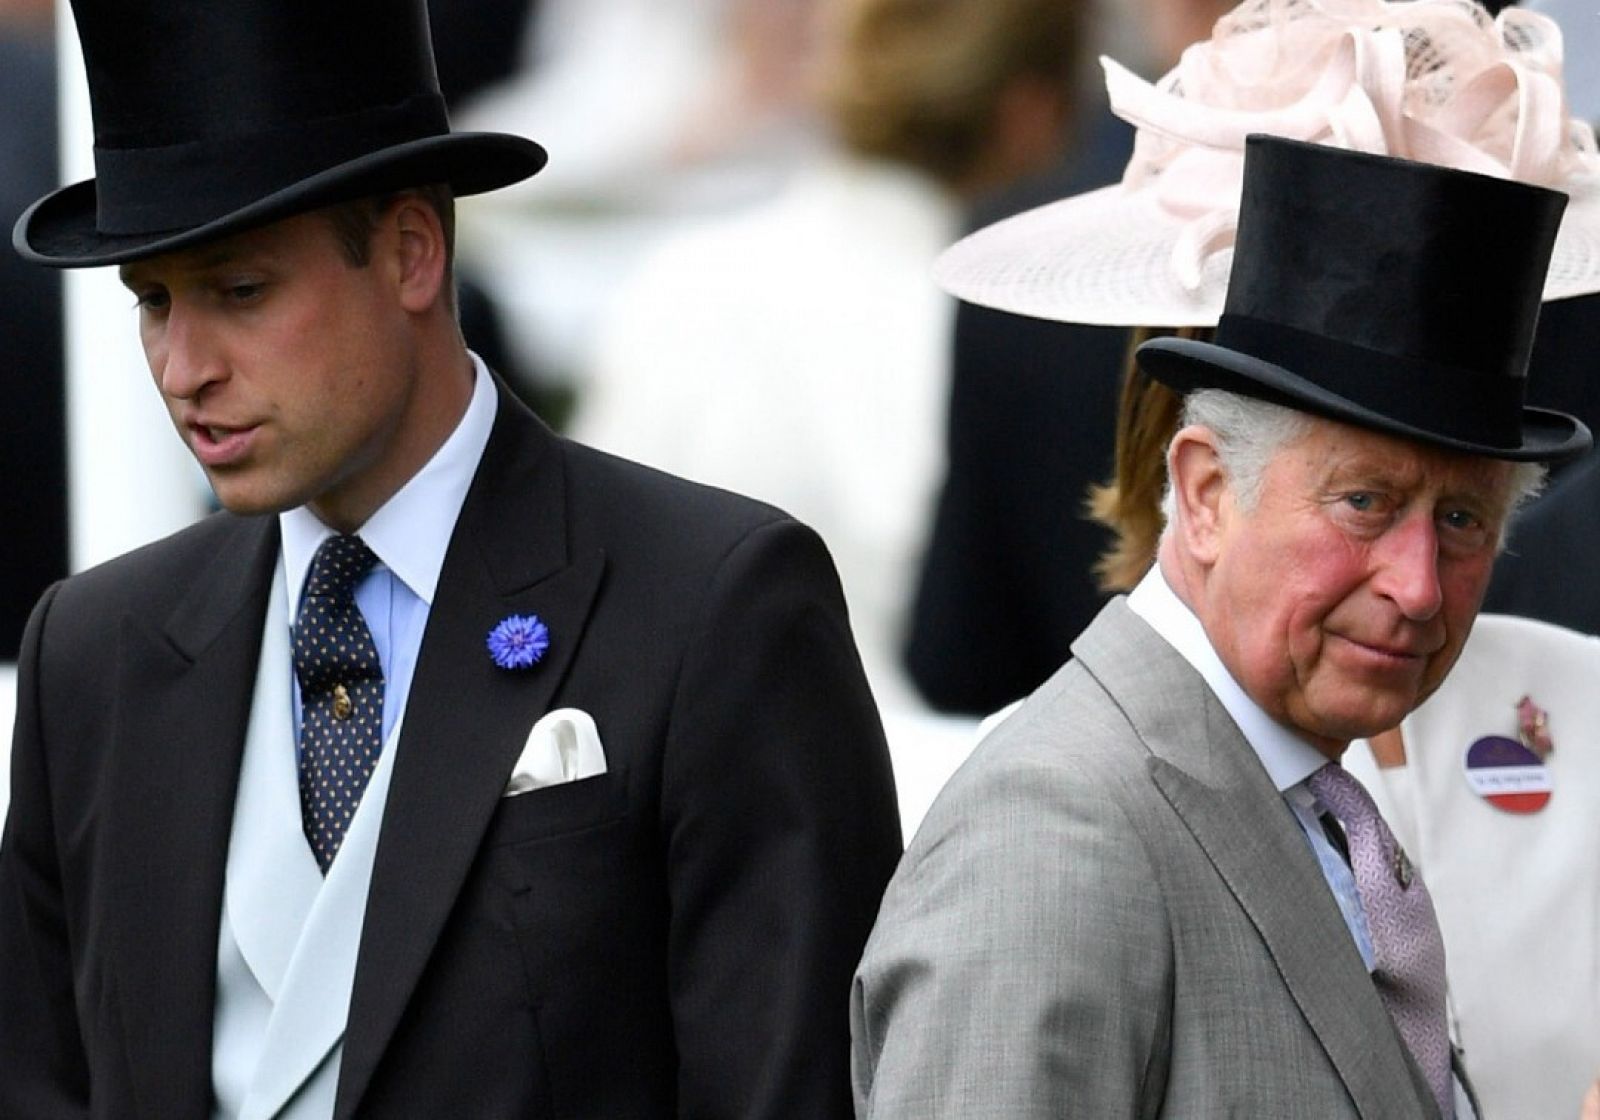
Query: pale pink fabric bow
[{"x": 1430, "y": 80}]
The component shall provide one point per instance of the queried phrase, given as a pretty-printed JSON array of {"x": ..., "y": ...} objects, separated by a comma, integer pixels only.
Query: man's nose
[
  {"x": 1408, "y": 567},
  {"x": 187, "y": 358}
]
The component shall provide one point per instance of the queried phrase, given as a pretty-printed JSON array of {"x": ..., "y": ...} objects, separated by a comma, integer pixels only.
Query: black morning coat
[{"x": 673, "y": 938}]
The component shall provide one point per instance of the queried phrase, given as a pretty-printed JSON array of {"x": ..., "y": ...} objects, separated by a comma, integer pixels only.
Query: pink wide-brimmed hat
[{"x": 1435, "y": 81}]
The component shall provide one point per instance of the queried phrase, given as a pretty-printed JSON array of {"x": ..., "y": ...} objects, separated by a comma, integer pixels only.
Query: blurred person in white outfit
[
  {"x": 799, "y": 351},
  {"x": 661, "y": 111},
  {"x": 1507, "y": 840}
]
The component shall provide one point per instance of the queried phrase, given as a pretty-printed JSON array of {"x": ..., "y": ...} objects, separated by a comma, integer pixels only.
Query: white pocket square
[{"x": 562, "y": 747}]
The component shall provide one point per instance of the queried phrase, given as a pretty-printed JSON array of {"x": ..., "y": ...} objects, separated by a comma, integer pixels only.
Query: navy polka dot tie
[{"x": 341, "y": 695}]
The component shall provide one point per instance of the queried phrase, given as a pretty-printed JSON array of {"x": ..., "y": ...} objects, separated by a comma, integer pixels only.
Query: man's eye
[
  {"x": 243, "y": 293},
  {"x": 1361, "y": 502},
  {"x": 154, "y": 299}
]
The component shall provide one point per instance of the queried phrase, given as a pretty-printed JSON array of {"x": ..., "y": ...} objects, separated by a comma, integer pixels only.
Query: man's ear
[
  {"x": 420, "y": 254},
  {"x": 1204, "y": 501}
]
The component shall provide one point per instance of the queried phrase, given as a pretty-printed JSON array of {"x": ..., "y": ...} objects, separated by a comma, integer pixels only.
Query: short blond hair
[{"x": 920, "y": 81}]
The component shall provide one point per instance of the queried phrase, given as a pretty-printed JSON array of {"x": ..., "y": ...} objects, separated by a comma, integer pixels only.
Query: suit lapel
[
  {"x": 183, "y": 701},
  {"x": 466, "y": 720},
  {"x": 1219, "y": 789}
]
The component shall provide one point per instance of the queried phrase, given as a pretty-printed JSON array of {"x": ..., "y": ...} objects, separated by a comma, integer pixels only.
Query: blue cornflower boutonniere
[{"x": 518, "y": 641}]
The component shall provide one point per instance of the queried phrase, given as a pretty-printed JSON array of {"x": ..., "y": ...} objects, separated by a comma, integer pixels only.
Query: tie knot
[
  {"x": 339, "y": 564},
  {"x": 1343, "y": 796}
]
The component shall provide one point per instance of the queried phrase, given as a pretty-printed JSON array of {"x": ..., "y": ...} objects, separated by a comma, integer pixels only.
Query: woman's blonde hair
[
  {"x": 1129, "y": 503},
  {"x": 919, "y": 81}
]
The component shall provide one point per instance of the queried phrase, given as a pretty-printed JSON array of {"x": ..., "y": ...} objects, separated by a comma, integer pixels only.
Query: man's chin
[
  {"x": 249, "y": 501},
  {"x": 1362, "y": 718},
  {"x": 1378, "y": 720}
]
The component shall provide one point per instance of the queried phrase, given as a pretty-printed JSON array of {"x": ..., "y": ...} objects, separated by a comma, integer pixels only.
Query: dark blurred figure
[
  {"x": 33, "y": 460},
  {"x": 476, "y": 43},
  {"x": 1005, "y": 583},
  {"x": 1562, "y": 375},
  {"x": 1544, "y": 572}
]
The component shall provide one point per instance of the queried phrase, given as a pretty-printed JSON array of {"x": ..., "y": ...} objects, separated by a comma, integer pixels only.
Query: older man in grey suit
[{"x": 1152, "y": 891}]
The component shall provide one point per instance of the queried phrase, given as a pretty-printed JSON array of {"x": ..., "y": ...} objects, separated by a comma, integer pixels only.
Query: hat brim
[
  {"x": 59, "y": 229},
  {"x": 1106, "y": 258},
  {"x": 1186, "y": 364}
]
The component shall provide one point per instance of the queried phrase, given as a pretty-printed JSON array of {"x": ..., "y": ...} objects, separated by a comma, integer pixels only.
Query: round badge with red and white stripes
[{"x": 1508, "y": 775}]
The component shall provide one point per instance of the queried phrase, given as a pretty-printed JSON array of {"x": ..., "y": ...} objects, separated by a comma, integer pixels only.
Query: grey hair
[
  {"x": 1527, "y": 480},
  {"x": 1250, "y": 432}
]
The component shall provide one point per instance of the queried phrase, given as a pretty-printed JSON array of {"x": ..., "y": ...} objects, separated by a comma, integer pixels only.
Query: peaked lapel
[
  {"x": 466, "y": 719},
  {"x": 1217, "y": 786},
  {"x": 182, "y": 700}
]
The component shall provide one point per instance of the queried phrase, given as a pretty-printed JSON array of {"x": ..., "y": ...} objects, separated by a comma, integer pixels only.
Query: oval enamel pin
[{"x": 1508, "y": 775}]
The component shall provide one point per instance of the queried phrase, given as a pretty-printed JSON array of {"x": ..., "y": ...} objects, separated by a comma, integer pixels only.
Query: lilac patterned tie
[
  {"x": 1408, "y": 951},
  {"x": 341, "y": 695}
]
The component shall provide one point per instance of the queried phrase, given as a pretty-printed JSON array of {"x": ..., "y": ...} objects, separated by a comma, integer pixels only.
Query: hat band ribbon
[
  {"x": 1457, "y": 402},
  {"x": 181, "y": 186}
]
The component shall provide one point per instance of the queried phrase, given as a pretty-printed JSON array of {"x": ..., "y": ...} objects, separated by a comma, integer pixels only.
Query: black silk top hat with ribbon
[
  {"x": 1396, "y": 296},
  {"x": 215, "y": 116}
]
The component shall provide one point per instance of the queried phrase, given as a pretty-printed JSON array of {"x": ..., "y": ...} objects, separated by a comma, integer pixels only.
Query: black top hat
[
  {"x": 212, "y": 116},
  {"x": 1393, "y": 295}
]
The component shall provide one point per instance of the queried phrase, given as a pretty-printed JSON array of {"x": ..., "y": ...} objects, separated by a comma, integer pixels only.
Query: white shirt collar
[
  {"x": 1288, "y": 759},
  {"x": 410, "y": 532}
]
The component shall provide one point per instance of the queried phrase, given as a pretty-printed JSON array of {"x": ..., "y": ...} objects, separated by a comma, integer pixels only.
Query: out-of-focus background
[
  {"x": 724, "y": 270},
  {"x": 733, "y": 234}
]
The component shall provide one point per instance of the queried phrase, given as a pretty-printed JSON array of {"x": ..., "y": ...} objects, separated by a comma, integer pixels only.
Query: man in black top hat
[
  {"x": 1153, "y": 891},
  {"x": 455, "y": 769}
]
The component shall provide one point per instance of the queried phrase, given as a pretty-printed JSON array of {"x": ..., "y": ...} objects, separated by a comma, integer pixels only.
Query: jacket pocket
[{"x": 543, "y": 814}]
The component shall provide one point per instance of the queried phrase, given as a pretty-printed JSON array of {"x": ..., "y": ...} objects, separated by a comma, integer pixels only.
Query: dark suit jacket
[
  {"x": 1007, "y": 579},
  {"x": 675, "y": 937}
]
